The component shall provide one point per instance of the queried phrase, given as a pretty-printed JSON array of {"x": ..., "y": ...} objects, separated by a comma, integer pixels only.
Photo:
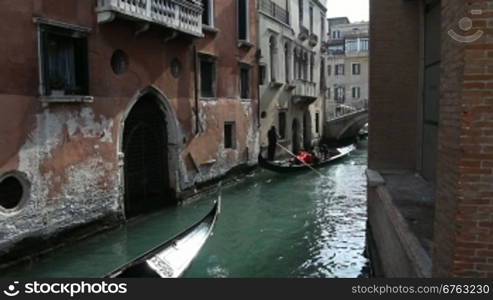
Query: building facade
[
  {"x": 348, "y": 66},
  {"x": 114, "y": 108},
  {"x": 430, "y": 172},
  {"x": 291, "y": 34}
]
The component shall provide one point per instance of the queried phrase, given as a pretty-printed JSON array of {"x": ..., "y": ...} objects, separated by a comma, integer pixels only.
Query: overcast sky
[{"x": 355, "y": 10}]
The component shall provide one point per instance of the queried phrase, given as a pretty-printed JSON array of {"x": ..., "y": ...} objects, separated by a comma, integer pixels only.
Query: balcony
[
  {"x": 181, "y": 16},
  {"x": 275, "y": 11},
  {"x": 305, "y": 92},
  {"x": 304, "y": 34},
  {"x": 313, "y": 40}
]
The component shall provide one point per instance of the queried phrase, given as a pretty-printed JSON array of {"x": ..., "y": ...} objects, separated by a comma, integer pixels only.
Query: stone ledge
[
  {"x": 374, "y": 178},
  {"x": 398, "y": 244},
  {"x": 67, "y": 99},
  {"x": 419, "y": 259},
  {"x": 38, "y": 245},
  {"x": 210, "y": 29}
]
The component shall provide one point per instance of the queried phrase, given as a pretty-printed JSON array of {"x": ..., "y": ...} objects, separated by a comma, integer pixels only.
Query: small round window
[
  {"x": 176, "y": 68},
  {"x": 13, "y": 190},
  {"x": 119, "y": 62}
]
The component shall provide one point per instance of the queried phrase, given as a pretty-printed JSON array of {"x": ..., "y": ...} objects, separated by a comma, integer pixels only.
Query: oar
[{"x": 294, "y": 155}]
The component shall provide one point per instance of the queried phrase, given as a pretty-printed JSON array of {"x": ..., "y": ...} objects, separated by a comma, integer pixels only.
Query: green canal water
[{"x": 271, "y": 225}]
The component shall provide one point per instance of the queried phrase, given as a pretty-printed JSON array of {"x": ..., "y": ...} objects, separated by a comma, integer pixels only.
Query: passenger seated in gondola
[{"x": 304, "y": 157}]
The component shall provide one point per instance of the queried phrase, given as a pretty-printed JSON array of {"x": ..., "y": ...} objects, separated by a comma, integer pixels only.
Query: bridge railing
[{"x": 342, "y": 110}]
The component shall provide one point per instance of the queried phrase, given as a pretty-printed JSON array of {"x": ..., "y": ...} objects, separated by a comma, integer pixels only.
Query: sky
[{"x": 355, "y": 10}]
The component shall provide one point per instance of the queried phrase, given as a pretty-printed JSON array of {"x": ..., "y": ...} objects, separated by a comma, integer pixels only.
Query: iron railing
[{"x": 275, "y": 11}]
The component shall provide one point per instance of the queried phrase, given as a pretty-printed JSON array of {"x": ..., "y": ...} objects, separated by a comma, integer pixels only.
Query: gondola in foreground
[
  {"x": 171, "y": 259},
  {"x": 288, "y": 167}
]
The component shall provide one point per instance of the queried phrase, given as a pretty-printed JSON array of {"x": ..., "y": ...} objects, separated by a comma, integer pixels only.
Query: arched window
[
  {"x": 286, "y": 62},
  {"x": 305, "y": 66},
  {"x": 322, "y": 74},
  {"x": 312, "y": 68},
  {"x": 295, "y": 73},
  {"x": 273, "y": 58}
]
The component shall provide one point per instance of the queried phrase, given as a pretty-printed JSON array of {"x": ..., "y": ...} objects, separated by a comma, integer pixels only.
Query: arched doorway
[
  {"x": 145, "y": 145},
  {"x": 307, "y": 130},
  {"x": 296, "y": 136}
]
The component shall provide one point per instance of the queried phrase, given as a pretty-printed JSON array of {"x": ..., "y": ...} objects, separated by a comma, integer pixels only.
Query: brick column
[{"x": 463, "y": 230}]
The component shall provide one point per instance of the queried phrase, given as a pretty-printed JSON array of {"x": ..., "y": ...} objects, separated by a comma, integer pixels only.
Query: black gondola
[
  {"x": 172, "y": 258},
  {"x": 287, "y": 166}
]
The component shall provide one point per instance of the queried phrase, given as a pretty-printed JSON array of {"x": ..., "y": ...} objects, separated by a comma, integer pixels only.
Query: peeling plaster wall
[
  {"x": 212, "y": 159},
  {"x": 70, "y": 153},
  {"x": 64, "y": 192}
]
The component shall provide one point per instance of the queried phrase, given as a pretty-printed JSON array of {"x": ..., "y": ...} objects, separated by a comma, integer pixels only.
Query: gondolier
[{"x": 272, "y": 137}]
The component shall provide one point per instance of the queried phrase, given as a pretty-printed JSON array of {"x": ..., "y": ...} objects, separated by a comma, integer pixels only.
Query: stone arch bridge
[{"x": 346, "y": 126}]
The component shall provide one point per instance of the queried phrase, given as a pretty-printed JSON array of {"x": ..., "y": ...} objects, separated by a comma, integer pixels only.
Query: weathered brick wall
[
  {"x": 448, "y": 148},
  {"x": 464, "y": 207},
  {"x": 394, "y": 69}
]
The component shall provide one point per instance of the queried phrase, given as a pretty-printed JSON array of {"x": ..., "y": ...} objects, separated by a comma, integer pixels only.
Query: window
[
  {"x": 311, "y": 19},
  {"x": 317, "y": 122},
  {"x": 351, "y": 46},
  {"x": 286, "y": 62},
  {"x": 364, "y": 44},
  {"x": 176, "y": 68},
  {"x": 245, "y": 83},
  {"x": 15, "y": 190},
  {"x": 243, "y": 30},
  {"x": 261, "y": 74},
  {"x": 340, "y": 94},
  {"x": 329, "y": 70},
  {"x": 295, "y": 64},
  {"x": 312, "y": 67},
  {"x": 11, "y": 193},
  {"x": 230, "y": 135},
  {"x": 305, "y": 66},
  {"x": 64, "y": 61},
  {"x": 356, "y": 92},
  {"x": 207, "y": 76},
  {"x": 273, "y": 58},
  {"x": 208, "y": 12},
  {"x": 329, "y": 93},
  {"x": 340, "y": 69},
  {"x": 322, "y": 26},
  {"x": 301, "y": 11},
  {"x": 282, "y": 125},
  {"x": 119, "y": 62},
  {"x": 356, "y": 69}
]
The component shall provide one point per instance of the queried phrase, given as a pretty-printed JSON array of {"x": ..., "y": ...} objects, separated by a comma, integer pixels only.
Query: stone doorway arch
[{"x": 149, "y": 145}]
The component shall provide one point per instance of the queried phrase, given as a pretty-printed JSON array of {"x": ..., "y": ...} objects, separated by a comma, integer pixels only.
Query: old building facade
[
  {"x": 291, "y": 34},
  {"x": 347, "y": 66},
  {"x": 430, "y": 156},
  {"x": 113, "y": 108}
]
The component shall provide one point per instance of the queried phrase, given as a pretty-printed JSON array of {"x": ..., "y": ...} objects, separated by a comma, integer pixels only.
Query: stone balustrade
[
  {"x": 184, "y": 16},
  {"x": 305, "y": 92}
]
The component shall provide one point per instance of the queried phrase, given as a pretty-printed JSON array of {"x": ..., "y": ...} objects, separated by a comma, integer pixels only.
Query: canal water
[{"x": 271, "y": 225}]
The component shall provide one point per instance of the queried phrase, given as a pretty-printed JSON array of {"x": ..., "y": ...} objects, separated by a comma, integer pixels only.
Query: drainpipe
[{"x": 196, "y": 89}]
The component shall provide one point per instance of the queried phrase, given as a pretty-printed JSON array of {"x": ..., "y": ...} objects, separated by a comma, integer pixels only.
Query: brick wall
[
  {"x": 464, "y": 220},
  {"x": 448, "y": 147}
]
